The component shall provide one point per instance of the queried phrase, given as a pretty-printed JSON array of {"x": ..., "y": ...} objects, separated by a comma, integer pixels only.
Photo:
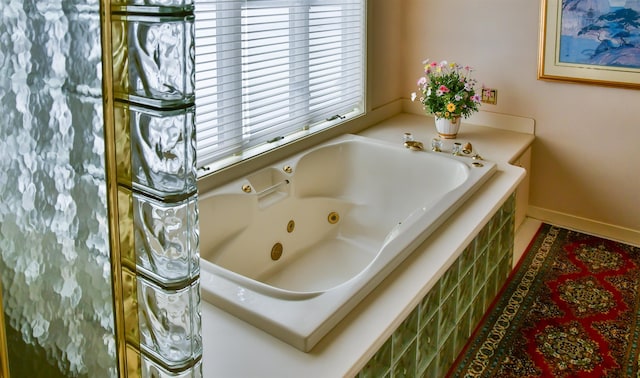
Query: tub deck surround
[
  {"x": 356, "y": 207},
  {"x": 233, "y": 348}
]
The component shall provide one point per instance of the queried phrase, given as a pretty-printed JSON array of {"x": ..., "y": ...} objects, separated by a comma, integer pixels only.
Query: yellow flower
[
  {"x": 451, "y": 107},
  {"x": 446, "y": 114}
]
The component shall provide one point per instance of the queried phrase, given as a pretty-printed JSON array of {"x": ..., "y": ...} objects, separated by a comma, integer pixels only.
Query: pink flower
[
  {"x": 443, "y": 89},
  {"x": 422, "y": 81}
]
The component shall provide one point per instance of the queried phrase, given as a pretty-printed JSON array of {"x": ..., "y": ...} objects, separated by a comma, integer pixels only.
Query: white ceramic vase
[{"x": 448, "y": 128}]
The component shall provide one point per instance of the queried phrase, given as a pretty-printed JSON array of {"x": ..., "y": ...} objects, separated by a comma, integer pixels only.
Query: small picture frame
[{"x": 590, "y": 41}]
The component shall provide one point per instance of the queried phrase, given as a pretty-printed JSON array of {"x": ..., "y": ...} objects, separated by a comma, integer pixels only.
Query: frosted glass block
[
  {"x": 166, "y": 239},
  {"x": 492, "y": 286},
  {"x": 507, "y": 237},
  {"x": 465, "y": 291},
  {"x": 154, "y": 59},
  {"x": 510, "y": 205},
  {"x": 156, "y": 150},
  {"x": 480, "y": 272},
  {"x": 493, "y": 252},
  {"x": 446, "y": 355},
  {"x": 429, "y": 304},
  {"x": 496, "y": 222},
  {"x": 54, "y": 236},
  {"x": 504, "y": 269},
  {"x": 405, "y": 333},
  {"x": 431, "y": 370},
  {"x": 466, "y": 259},
  {"x": 428, "y": 342},
  {"x": 462, "y": 331},
  {"x": 449, "y": 280},
  {"x": 170, "y": 323},
  {"x": 447, "y": 315},
  {"x": 483, "y": 237},
  {"x": 151, "y": 369},
  {"x": 85, "y": 50},
  {"x": 379, "y": 364},
  {"x": 477, "y": 309},
  {"x": 405, "y": 367}
]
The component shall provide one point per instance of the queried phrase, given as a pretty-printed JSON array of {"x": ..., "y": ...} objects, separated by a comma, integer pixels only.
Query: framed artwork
[{"x": 590, "y": 41}]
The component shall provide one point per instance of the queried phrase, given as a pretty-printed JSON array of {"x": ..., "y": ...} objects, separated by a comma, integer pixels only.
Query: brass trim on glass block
[
  {"x": 134, "y": 364},
  {"x": 112, "y": 188},
  {"x": 123, "y": 145},
  {"x": 153, "y": 96},
  {"x": 126, "y": 223},
  {"x": 132, "y": 323},
  {"x": 4, "y": 357},
  {"x": 118, "y": 54}
]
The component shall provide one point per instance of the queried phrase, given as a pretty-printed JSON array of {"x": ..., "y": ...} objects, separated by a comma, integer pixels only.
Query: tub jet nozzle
[{"x": 276, "y": 251}]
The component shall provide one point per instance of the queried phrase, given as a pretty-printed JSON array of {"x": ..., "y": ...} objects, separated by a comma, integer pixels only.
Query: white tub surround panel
[{"x": 233, "y": 348}]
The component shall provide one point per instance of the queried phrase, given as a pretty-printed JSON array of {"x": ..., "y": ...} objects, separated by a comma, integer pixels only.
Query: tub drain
[
  {"x": 333, "y": 217},
  {"x": 276, "y": 252}
]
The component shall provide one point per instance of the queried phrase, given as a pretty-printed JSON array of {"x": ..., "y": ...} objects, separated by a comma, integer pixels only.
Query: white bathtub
[{"x": 318, "y": 231}]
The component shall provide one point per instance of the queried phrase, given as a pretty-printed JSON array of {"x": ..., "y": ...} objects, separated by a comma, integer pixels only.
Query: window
[{"x": 268, "y": 70}]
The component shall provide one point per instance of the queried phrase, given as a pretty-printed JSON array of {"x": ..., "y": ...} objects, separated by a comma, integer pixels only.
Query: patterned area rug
[{"x": 570, "y": 309}]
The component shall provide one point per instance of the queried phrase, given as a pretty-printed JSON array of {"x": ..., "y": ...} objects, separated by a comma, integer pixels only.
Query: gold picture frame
[{"x": 589, "y": 42}]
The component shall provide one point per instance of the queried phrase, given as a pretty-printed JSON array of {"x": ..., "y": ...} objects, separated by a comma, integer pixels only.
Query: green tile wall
[{"x": 430, "y": 338}]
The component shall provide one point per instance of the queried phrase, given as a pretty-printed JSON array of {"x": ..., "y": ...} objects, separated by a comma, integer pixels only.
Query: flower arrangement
[{"x": 447, "y": 90}]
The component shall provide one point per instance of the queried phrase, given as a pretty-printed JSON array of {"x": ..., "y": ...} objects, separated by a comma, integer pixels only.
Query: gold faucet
[{"x": 414, "y": 145}]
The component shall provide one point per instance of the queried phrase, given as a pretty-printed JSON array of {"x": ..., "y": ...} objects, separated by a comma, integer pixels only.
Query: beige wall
[
  {"x": 586, "y": 158},
  {"x": 385, "y": 55}
]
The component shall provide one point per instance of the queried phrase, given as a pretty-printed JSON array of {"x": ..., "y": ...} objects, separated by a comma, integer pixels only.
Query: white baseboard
[{"x": 588, "y": 226}]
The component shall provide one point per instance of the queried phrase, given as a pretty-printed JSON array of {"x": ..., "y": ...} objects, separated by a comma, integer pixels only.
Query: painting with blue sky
[{"x": 601, "y": 32}]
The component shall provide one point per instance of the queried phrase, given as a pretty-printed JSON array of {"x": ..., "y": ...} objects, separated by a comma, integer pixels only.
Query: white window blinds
[{"x": 268, "y": 68}]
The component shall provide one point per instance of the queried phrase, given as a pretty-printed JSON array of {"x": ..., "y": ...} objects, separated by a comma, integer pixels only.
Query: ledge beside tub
[{"x": 233, "y": 348}]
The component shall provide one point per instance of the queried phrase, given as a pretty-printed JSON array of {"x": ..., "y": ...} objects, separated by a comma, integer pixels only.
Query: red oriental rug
[{"x": 569, "y": 309}]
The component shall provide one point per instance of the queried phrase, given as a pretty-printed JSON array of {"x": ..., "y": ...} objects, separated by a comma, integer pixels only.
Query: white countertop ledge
[{"x": 233, "y": 348}]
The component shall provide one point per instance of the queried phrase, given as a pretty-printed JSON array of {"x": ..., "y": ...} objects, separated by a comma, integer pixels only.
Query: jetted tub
[{"x": 292, "y": 248}]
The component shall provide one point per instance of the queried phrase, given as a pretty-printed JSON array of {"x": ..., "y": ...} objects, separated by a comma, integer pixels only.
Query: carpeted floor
[{"x": 569, "y": 309}]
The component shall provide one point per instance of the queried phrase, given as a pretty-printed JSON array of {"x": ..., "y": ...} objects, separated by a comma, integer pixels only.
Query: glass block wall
[
  {"x": 430, "y": 338},
  {"x": 152, "y": 52},
  {"x": 54, "y": 250}
]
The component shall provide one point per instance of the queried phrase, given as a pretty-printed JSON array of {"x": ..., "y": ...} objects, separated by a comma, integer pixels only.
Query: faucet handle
[{"x": 467, "y": 149}]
